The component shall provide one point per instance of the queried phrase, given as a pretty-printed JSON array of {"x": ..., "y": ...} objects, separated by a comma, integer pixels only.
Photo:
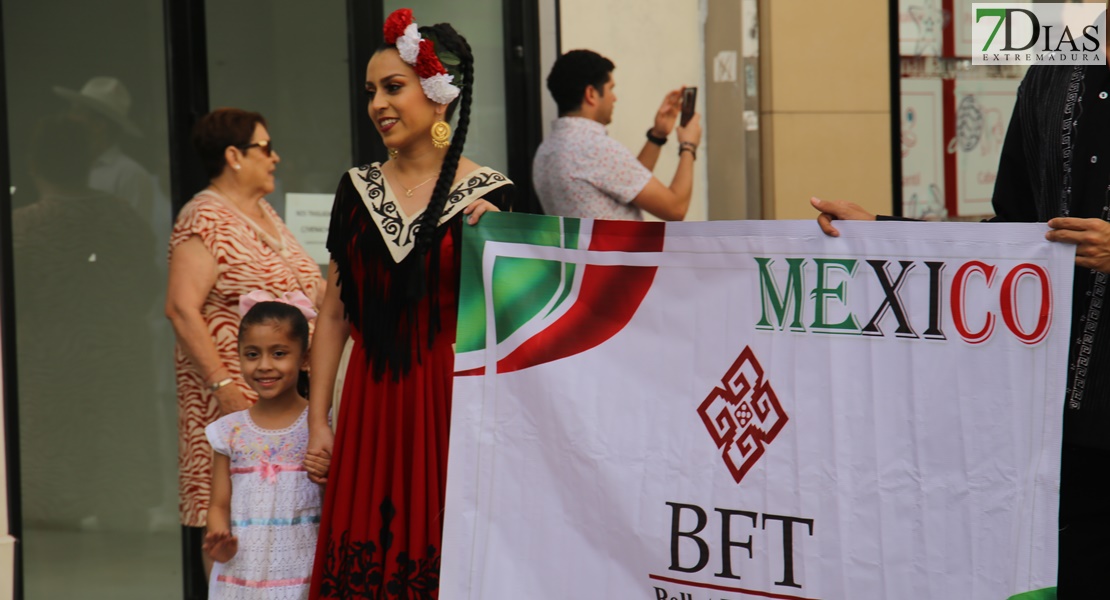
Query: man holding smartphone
[{"x": 579, "y": 171}]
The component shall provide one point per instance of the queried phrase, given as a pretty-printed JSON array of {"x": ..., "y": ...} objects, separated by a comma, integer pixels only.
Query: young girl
[{"x": 264, "y": 511}]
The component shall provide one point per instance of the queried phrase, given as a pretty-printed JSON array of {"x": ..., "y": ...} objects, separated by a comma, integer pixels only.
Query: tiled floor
[{"x": 76, "y": 565}]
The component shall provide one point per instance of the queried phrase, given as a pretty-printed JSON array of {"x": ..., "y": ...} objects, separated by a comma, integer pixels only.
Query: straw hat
[{"x": 107, "y": 96}]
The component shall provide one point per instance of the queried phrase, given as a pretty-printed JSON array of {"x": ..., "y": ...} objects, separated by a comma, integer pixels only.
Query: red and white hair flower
[
  {"x": 396, "y": 24},
  {"x": 402, "y": 32}
]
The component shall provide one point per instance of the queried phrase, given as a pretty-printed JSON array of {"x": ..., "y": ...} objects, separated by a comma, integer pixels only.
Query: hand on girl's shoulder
[{"x": 221, "y": 545}]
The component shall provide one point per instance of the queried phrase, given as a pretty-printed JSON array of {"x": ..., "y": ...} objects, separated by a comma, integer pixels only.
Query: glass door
[{"x": 90, "y": 217}]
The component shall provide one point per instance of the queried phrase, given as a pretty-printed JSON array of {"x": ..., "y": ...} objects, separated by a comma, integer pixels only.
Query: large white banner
[{"x": 732, "y": 410}]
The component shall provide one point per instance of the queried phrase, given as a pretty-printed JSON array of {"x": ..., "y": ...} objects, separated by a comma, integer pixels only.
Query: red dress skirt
[{"x": 382, "y": 519}]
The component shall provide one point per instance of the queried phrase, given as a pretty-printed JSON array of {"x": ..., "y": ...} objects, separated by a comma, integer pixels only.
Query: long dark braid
[{"x": 427, "y": 230}]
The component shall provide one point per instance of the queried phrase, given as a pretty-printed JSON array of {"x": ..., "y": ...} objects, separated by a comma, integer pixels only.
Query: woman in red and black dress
[{"x": 393, "y": 285}]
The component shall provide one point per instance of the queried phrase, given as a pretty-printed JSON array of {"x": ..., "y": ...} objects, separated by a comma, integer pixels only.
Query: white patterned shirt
[
  {"x": 275, "y": 510},
  {"x": 579, "y": 171}
]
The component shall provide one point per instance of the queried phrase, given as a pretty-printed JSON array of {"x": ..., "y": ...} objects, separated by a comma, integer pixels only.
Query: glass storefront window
[
  {"x": 90, "y": 134},
  {"x": 91, "y": 216},
  {"x": 288, "y": 60}
]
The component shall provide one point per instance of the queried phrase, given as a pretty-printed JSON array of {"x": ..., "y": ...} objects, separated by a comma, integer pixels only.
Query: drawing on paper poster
[
  {"x": 969, "y": 123},
  {"x": 977, "y": 128},
  {"x": 929, "y": 19},
  {"x": 921, "y": 137},
  {"x": 994, "y": 133},
  {"x": 929, "y": 208},
  {"x": 909, "y": 137}
]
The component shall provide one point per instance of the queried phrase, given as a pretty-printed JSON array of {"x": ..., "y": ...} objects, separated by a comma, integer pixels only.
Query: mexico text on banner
[{"x": 699, "y": 411}]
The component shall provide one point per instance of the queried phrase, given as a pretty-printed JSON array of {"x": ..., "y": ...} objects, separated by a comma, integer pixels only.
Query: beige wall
[
  {"x": 825, "y": 105},
  {"x": 657, "y": 46}
]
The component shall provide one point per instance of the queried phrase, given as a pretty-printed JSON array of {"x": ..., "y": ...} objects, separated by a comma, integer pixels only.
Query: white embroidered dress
[{"x": 275, "y": 510}]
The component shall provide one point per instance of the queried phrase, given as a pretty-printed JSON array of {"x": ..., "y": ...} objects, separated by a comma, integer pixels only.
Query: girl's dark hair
[
  {"x": 446, "y": 39},
  {"x": 221, "y": 128},
  {"x": 280, "y": 312}
]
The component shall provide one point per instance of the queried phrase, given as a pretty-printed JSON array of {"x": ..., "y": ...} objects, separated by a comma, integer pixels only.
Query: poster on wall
[
  {"x": 753, "y": 409},
  {"x": 962, "y": 26},
  {"x": 920, "y": 25},
  {"x": 983, "y": 110},
  {"x": 922, "y": 149}
]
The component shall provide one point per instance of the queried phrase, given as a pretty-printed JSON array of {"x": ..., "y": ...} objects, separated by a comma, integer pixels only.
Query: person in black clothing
[{"x": 1055, "y": 168}]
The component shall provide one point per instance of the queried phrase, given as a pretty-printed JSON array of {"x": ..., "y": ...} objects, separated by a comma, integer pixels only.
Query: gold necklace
[{"x": 408, "y": 190}]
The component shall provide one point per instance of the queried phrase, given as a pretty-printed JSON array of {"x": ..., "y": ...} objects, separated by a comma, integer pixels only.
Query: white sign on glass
[{"x": 308, "y": 217}]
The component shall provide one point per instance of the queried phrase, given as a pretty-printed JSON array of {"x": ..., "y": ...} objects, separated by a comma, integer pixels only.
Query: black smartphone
[{"x": 689, "y": 99}]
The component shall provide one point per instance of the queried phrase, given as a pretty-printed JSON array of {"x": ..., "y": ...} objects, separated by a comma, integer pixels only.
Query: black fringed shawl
[{"x": 367, "y": 228}]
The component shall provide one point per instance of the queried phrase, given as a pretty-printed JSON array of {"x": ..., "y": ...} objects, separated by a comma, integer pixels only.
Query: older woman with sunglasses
[{"x": 227, "y": 242}]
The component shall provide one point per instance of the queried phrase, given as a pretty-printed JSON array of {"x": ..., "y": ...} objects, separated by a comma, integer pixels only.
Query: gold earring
[
  {"x": 393, "y": 152},
  {"x": 441, "y": 134}
]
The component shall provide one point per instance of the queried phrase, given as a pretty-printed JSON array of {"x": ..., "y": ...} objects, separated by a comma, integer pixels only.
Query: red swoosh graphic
[{"x": 607, "y": 299}]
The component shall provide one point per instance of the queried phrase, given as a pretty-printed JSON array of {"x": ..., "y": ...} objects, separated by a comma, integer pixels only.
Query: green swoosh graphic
[{"x": 521, "y": 287}]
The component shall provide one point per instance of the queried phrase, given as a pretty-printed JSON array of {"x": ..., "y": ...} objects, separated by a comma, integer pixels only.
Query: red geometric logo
[{"x": 743, "y": 415}]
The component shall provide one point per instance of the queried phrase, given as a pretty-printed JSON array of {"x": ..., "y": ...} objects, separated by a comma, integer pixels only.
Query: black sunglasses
[{"x": 266, "y": 146}]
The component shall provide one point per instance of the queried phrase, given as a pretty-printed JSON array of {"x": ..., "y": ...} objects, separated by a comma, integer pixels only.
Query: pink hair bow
[{"x": 295, "y": 299}]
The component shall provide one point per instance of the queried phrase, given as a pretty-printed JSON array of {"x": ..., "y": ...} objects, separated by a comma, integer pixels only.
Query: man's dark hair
[{"x": 572, "y": 73}]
